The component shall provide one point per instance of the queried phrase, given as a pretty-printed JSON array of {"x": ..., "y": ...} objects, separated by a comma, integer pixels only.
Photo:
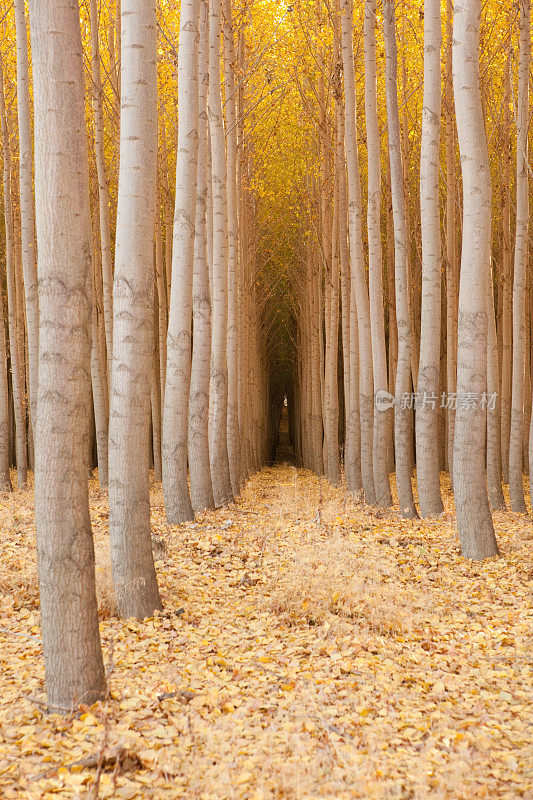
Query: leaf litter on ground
[{"x": 309, "y": 647}]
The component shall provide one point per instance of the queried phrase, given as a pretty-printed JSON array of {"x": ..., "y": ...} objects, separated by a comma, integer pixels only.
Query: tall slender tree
[
  {"x": 516, "y": 486},
  {"x": 103, "y": 188},
  {"x": 5, "y": 479},
  {"x": 331, "y": 383},
  {"x": 27, "y": 205},
  {"x": 74, "y": 668},
  {"x": 357, "y": 268},
  {"x": 230, "y": 106},
  {"x": 427, "y": 411},
  {"x": 375, "y": 278},
  {"x": 176, "y": 415},
  {"x": 506, "y": 277},
  {"x": 531, "y": 459},
  {"x": 474, "y": 521},
  {"x": 218, "y": 408},
  {"x": 16, "y": 353},
  {"x": 198, "y": 438},
  {"x": 134, "y": 576},
  {"x": 451, "y": 243},
  {"x": 402, "y": 384},
  {"x": 493, "y": 457}
]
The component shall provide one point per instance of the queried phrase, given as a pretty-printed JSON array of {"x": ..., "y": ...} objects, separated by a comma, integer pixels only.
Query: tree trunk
[
  {"x": 360, "y": 289},
  {"x": 27, "y": 206},
  {"x": 427, "y": 410},
  {"x": 155, "y": 403},
  {"x": 17, "y": 368},
  {"x": 73, "y": 661},
  {"x": 402, "y": 408},
  {"x": 134, "y": 576},
  {"x": 352, "y": 455},
  {"x": 199, "y": 466},
  {"x": 234, "y": 450},
  {"x": 331, "y": 385},
  {"x": 218, "y": 446},
  {"x": 506, "y": 279},
  {"x": 531, "y": 459},
  {"x": 527, "y": 376},
  {"x": 375, "y": 279},
  {"x": 392, "y": 325},
  {"x": 516, "y": 486},
  {"x": 474, "y": 521},
  {"x": 100, "y": 403},
  {"x": 176, "y": 414},
  {"x": 167, "y": 209},
  {"x": 409, "y": 225},
  {"x": 161, "y": 316},
  {"x": 494, "y": 460},
  {"x": 100, "y": 386},
  {"x": 5, "y": 480},
  {"x": 103, "y": 190},
  {"x": 451, "y": 246}
]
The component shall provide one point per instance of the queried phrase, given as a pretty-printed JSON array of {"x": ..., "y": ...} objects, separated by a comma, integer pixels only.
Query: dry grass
[{"x": 327, "y": 580}]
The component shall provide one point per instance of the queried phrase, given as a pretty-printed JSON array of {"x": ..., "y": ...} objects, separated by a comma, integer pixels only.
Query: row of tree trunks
[
  {"x": 468, "y": 365},
  {"x": 204, "y": 392}
]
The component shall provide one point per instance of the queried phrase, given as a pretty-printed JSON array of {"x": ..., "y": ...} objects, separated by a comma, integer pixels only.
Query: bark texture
[
  {"x": 375, "y": 279},
  {"x": 474, "y": 521},
  {"x": 402, "y": 409},
  {"x": 199, "y": 466},
  {"x": 179, "y": 346},
  {"x": 134, "y": 577},
  {"x": 516, "y": 486},
  {"x": 218, "y": 409},
  {"x": 357, "y": 268},
  {"x": 428, "y": 401},
  {"x": 27, "y": 205},
  {"x": 74, "y": 668}
]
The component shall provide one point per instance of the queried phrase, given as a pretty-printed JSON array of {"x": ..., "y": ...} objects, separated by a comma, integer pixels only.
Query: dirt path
[{"x": 308, "y": 648}]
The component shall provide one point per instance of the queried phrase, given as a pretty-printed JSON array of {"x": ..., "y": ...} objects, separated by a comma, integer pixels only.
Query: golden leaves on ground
[{"x": 346, "y": 654}]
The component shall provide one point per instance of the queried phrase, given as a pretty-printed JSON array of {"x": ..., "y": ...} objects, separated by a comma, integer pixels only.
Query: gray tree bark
[
  {"x": 427, "y": 411},
  {"x": 516, "y": 486},
  {"x": 506, "y": 279},
  {"x": 103, "y": 189},
  {"x": 375, "y": 279},
  {"x": 74, "y": 668},
  {"x": 494, "y": 459},
  {"x": 13, "y": 319},
  {"x": 402, "y": 410},
  {"x": 234, "y": 448},
  {"x": 357, "y": 268},
  {"x": 134, "y": 577},
  {"x": 198, "y": 438},
  {"x": 5, "y": 479},
  {"x": 27, "y": 205},
  {"x": 218, "y": 406},
  {"x": 474, "y": 521},
  {"x": 179, "y": 346},
  {"x": 451, "y": 243}
]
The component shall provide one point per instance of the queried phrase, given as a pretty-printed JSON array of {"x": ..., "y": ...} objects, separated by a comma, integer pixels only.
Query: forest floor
[{"x": 308, "y": 647}]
